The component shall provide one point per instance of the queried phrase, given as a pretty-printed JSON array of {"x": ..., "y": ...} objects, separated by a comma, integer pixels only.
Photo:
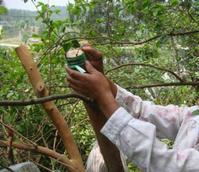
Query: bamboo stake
[{"x": 51, "y": 109}]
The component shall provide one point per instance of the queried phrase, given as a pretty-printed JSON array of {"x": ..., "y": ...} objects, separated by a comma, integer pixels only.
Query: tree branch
[
  {"x": 183, "y": 33},
  {"x": 147, "y": 65},
  {"x": 86, "y": 99},
  {"x": 43, "y": 100},
  {"x": 7, "y": 168},
  {"x": 113, "y": 41},
  {"x": 55, "y": 115},
  {"x": 165, "y": 85},
  {"x": 42, "y": 150},
  {"x": 153, "y": 38}
]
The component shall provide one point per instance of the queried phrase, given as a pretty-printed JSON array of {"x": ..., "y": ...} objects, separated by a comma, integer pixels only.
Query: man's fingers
[
  {"x": 91, "y": 52},
  {"x": 73, "y": 81},
  {"x": 73, "y": 85},
  {"x": 78, "y": 89},
  {"x": 68, "y": 70},
  {"x": 75, "y": 88},
  {"x": 90, "y": 68},
  {"x": 75, "y": 74}
]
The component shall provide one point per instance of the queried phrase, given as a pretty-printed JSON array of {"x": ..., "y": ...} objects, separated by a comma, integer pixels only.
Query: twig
[
  {"x": 165, "y": 85},
  {"x": 108, "y": 19},
  {"x": 7, "y": 168},
  {"x": 57, "y": 43},
  {"x": 42, "y": 150},
  {"x": 43, "y": 100},
  {"x": 183, "y": 33},
  {"x": 38, "y": 11},
  {"x": 191, "y": 17},
  {"x": 55, "y": 140},
  {"x": 39, "y": 128},
  {"x": 42, "y": 166},
  {"x": 17, "y": 133}
]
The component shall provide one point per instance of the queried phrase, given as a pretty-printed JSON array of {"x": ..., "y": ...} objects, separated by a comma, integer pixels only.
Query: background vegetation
[{"x": 150, "y": 47}]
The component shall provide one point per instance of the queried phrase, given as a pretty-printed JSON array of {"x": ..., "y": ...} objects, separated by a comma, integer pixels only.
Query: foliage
[
  {"x": 3, "y": 10},
  {"x": 126, "y": 31}
]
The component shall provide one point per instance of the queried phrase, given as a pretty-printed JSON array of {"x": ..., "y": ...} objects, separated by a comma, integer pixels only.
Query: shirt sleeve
[
  {"x": 167, "y": 119},
  {"x": 137, "y": 140}
]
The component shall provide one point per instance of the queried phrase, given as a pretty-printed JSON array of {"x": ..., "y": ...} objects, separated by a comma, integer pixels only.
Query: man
[{"x": 135, "y": 126}]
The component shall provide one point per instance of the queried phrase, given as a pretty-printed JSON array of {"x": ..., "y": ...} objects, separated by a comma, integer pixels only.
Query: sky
[{"x": 19, "y": 4}]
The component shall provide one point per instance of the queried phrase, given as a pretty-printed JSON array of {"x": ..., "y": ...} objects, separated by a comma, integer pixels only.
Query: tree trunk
[{"x": 51, "y": 109}]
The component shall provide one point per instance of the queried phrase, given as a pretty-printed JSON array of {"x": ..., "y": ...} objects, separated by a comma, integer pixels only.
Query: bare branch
[
  {"x": 43, "y": 100},
  {"x": 183, "y": 33},
  {"x": 17, "y": 133},
  {"x": 42, "y": 150}
]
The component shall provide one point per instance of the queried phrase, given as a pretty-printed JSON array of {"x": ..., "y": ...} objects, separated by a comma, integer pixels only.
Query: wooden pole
[{"x": 51, "y": 109}]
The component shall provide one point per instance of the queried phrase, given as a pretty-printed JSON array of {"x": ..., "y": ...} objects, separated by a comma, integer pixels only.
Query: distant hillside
[
  {"x": 18, "y": 22},
  {"x": 16, "y": 15}
]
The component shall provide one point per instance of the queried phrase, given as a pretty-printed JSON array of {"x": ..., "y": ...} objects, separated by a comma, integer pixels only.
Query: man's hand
[
  {"x": 94, "y": 85},
  {"x": 94, "y": 57}
]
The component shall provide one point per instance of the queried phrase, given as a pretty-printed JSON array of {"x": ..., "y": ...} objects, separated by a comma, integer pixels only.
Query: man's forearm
[
  {"x": 113, "y": 88},
  {"x": 108, "y": 105}
]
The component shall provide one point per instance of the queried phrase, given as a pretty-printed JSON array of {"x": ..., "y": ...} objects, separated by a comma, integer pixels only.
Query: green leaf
[
  {"x": 66, "y": 46},
  {"x": 196, "y": 112},
  {"x": 71, "y": 44},
  {"x": 35, "y": 35},
  {"x": 174, "y": 2}
]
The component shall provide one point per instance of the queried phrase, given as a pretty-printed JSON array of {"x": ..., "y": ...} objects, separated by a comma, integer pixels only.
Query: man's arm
[
  {"x": 167, "y": 119},
  {"x": 137, "y": 140}
]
